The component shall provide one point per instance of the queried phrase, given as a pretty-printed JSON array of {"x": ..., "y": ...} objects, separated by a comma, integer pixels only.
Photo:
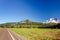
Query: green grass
[{"x": 35, "y": 33}]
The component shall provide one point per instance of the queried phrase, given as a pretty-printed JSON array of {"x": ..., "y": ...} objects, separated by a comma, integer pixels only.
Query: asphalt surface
[{"x": 6, "y": 34}]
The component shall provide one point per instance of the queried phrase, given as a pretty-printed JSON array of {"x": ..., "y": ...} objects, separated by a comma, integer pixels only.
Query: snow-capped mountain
[{"x": 53, "y": 20}]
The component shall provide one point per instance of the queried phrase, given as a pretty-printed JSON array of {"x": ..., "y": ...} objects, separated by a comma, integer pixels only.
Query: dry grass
[{"x": 38, "y": 34}]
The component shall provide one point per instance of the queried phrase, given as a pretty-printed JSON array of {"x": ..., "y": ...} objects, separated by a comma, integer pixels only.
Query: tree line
[{"x": 30, "y": 25}]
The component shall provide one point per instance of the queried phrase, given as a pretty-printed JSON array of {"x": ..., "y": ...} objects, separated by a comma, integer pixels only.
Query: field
[{"x": 38, "y": 34}]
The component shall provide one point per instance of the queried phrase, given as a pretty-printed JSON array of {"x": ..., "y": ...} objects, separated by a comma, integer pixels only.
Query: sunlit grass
[{"x": 35, "y": 33}]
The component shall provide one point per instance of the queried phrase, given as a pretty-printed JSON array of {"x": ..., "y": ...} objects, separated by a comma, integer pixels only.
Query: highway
[{"x": 6, "y": 34}]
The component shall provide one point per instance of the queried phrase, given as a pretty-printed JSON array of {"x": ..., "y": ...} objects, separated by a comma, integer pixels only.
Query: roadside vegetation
[{"x": 38, "y": 34}]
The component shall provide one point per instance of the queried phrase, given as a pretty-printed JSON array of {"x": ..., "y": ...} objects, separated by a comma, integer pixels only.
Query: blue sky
[{"x": 35, "y": 10}]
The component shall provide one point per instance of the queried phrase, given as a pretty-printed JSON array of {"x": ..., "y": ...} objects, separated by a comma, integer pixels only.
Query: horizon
[{"x": 35, "y": 10}]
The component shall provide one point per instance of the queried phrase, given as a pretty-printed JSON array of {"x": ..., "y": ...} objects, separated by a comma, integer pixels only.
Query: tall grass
[{"x": 35, "y": 33}]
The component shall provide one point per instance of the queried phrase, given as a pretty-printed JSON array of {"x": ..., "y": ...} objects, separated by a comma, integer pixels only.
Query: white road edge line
[{"x": 11, "y": 35}]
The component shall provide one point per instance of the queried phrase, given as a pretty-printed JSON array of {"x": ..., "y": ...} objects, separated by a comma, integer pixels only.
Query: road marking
[{"x": 11, "y": 35}]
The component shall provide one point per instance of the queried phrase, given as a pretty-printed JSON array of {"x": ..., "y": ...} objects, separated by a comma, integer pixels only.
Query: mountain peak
[
  {"x": 26, "y": 21},
  {"x": 53, "y": 20}
]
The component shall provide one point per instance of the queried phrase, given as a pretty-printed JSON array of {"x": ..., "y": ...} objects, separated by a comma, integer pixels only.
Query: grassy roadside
[{"x": 37, "y": 34}]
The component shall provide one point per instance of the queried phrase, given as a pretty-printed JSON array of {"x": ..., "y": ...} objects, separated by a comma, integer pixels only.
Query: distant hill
[
  {"x": 26, "y": 21},
  {"x": 26, "y": 24}
]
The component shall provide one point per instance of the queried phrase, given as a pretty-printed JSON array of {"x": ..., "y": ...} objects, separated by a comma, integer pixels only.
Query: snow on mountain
[{"x": 53, "y": 20}]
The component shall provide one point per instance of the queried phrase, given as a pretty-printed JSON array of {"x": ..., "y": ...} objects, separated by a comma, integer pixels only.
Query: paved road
[{"x": 5, "y": 34}]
